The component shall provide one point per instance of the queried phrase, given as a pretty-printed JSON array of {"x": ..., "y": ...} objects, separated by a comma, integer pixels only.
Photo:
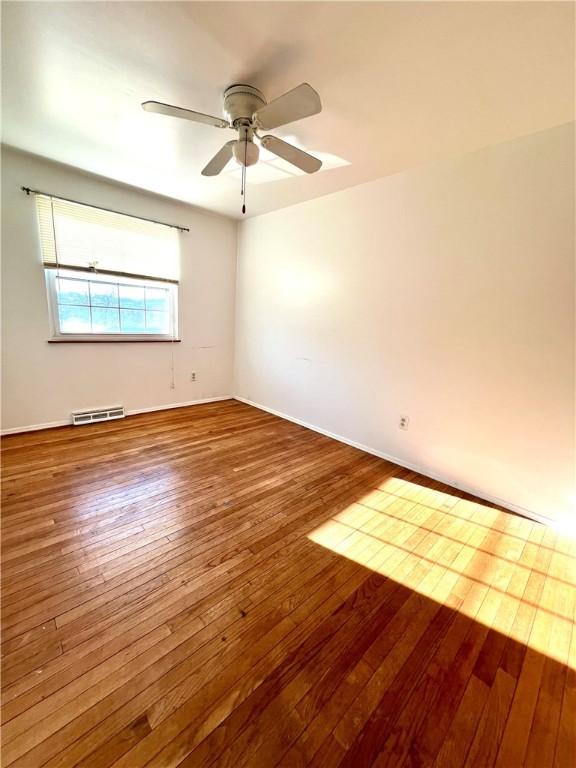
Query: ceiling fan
[{"x": 248, "y": 113}]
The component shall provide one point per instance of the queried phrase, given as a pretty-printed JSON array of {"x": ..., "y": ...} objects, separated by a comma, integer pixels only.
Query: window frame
[{"x": 56, "y": 334}]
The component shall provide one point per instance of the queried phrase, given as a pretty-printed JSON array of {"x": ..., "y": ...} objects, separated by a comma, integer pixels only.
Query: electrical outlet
[
  {"x": 404, "y": 421},
  {"x": 193, "y": 376}
]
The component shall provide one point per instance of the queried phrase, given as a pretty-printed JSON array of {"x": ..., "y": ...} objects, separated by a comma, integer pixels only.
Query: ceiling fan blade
[
  {"x": 300, "y": 102},
  {"x": 220, "y": 159},
  {"x": 292, "y": 154},
  {"x": 187, "y": 114}
]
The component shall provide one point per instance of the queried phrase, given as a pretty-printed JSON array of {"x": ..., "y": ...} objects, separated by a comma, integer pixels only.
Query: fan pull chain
[{"x": 244, "y": 174}]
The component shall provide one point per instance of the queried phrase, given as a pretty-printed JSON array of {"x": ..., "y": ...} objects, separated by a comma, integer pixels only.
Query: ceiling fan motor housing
[
  {"x": 245, "y": 152},
  {"x": 241, "y": 102}
]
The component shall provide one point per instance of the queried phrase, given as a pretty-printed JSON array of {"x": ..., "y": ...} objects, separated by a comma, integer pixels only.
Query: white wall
[
  {"x": 445, "y": 294},
  {"x": 42, "y": 383}
]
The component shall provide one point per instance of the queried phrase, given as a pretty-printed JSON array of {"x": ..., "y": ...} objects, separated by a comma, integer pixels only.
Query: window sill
[{"x": 114, "y": 341}]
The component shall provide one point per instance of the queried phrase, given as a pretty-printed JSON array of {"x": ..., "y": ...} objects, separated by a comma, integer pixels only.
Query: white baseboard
[
  {"x": 34, "y": 427},
  {"x": 168, "y": 407},
  {"x": 367, "y": 449},
  {"x": 131, "y": 412},
  {"x": 407, "y": 465}
]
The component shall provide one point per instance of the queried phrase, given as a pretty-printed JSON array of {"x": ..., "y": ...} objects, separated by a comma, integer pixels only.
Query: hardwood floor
[{"x": 214, "y": 586}]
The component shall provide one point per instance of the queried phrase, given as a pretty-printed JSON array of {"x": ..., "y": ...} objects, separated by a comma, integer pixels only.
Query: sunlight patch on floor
[{"x": 504, "y": 571}]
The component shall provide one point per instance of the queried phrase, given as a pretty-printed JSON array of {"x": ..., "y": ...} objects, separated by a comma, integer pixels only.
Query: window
[
  {"x": 109, "y": 276},
  {"x": 89, "y": 306}
]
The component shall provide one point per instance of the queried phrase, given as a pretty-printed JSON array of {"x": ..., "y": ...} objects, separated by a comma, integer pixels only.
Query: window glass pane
[
  {"x": 74, "y": 319},
  {"x": 72, "y": 291},
  {"x": 131, "y": 296},
  {"x": 133, "y": 320},
  {"x": 103, "y": 294},
  {"x": 105, "y": 320},
  {"x": 157, "y": 322},
  {"x": 100, "y": 305},
  {"x": 157, "y": 298}
]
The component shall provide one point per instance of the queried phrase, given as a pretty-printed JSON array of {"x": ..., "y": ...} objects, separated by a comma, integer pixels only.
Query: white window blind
[{"x": 77, "y": 236}]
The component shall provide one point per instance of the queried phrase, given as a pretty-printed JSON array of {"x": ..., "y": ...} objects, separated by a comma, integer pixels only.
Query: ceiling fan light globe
[{"x": 245, "y": 153}]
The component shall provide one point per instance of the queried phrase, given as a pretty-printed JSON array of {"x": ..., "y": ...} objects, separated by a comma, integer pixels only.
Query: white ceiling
[{"x": 402, "y": 84}]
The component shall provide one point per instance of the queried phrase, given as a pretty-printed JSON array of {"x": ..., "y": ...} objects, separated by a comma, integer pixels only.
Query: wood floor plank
[{"x": 215, "y": 586}]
